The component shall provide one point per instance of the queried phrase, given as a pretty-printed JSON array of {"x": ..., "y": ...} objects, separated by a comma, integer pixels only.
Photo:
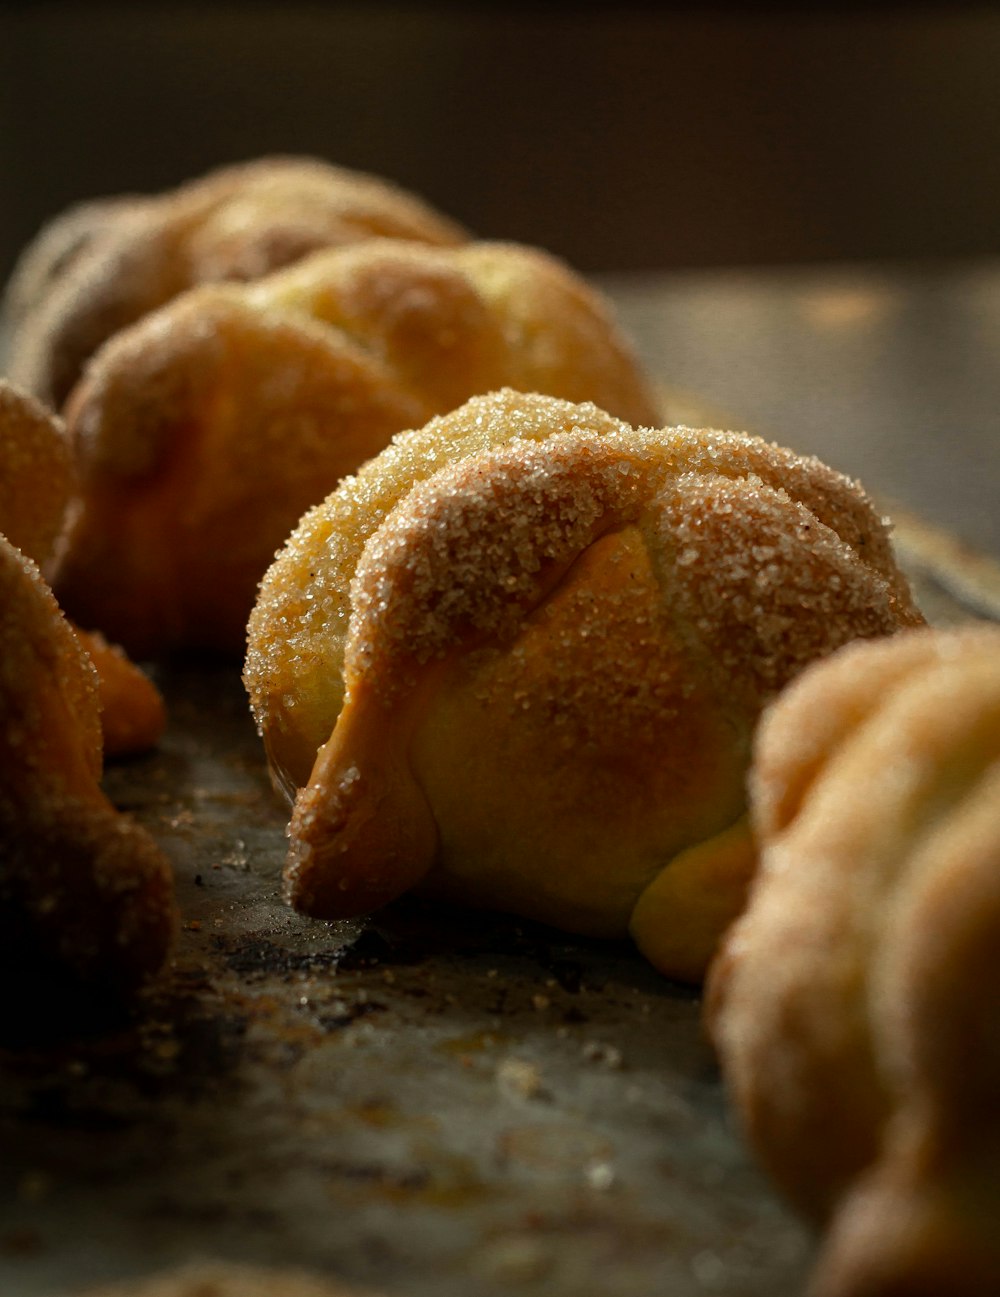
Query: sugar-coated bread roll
[
  {"x": 205, "y": 431},
  {"x": 854, "y": 1005},
  {"x": 133, "y": 713},
  {"x": 37, "y": 484},
  {"x": 102, "y": 265},
  {"x": 531, "y": 642},
  {"x": 82, "y": 889},
  {"x": 36, "y": 474}
]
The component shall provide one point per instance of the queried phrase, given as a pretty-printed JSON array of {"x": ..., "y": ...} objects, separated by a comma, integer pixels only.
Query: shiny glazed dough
[
  {"x": 533, "y": 643},
  {"x": 203, "y": 433},
  {"x": 854, "y": 1004}
]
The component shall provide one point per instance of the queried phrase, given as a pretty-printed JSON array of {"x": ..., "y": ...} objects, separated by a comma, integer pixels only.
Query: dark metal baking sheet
[{"x": 429, "y": 1102}]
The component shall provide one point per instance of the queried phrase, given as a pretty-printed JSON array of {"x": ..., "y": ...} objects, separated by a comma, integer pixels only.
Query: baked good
[
  {"x": 104, "y": 264},
  {"x": 227, "y": 1279},
  {"x": 133, "y": 713},
  {"x": 36, "y": 474},
  {"x": 204, "y": 432},
  {"x": 82, "y": 889},
  {"x": 37, "y": 481},
  {"x": 854, "y": 1003},
  {"x": 533, "y": 642}
]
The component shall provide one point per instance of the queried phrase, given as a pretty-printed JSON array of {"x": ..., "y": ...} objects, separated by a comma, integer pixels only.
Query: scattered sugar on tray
[{"x": 519, "y": 1078}]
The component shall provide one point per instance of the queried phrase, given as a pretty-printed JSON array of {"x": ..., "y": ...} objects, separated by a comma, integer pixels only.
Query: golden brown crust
[
  {"x": 298, "y": 628},
  {"x": 80, "y": 885},
  {"x": 552, "y": 652},
  {"x": 81, "y": 888},
  {"x": 204, "y": 432},
  {"x": 133, "y": 714},
  {"x": 852, "y": 1004},
  {"x": 103, "y": 265},
  {"x": 37, "y": 481},
  {"x": 36, "y": 474},
  {"x": 51, "y": 254}
]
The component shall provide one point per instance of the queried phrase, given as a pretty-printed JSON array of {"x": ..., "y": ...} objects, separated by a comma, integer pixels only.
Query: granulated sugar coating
[
  {"x": 864, "y": 1063},
  {"x": 37, "y": 479},
  {"x": 36, "y": 473},
  {"x": 766, "y": 585},
  {"x": 297, "y": 630},
  {"x": 555, "y": 633},
  {"x": 746, "y": 569},
  {"x": 205, "y": 430},
  {"x": 84, "y": 893},
  {"x": 44, "y": 675},
  {"x": 102, "y": 265}
]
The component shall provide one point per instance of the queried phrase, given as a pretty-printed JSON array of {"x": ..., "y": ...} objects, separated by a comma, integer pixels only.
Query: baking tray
[{"x": 431, "y": 1101}]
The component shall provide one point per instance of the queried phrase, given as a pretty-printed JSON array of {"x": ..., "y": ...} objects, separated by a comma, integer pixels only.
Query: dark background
[{"x": 621, "y": 137}]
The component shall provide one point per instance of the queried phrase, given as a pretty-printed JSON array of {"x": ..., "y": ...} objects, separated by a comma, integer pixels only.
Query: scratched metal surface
[{"x": 429, "y": 1102}]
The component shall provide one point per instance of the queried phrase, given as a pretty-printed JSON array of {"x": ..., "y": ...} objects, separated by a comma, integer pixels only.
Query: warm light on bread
[
  {"x": 102, "y": 265},
  {"x": 204, "y": 432},
  {"x": 82, "y": 888},
  {"x": 530, "y": 644},
  {"x": 37, "y": 485},
  {"x": 854, "y": 1004}
]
